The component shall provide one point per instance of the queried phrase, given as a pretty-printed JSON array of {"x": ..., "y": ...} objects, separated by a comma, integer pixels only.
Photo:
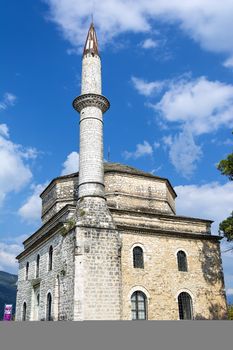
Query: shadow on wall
[
  {"x": 217, "y": 312},
  {"x": 211, "y": 264}
]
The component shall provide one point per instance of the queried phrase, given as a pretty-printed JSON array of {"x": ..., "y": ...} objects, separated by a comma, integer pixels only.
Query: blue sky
[{"x": 167, "y": 70}]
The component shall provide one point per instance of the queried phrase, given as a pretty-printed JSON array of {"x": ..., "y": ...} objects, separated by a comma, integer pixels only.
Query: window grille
[
  {"x": 185, "y": 306},
  {"x": 50, "y": 258},
  {"x": 138, "y": 261},
  {"x": 49, "y": 308},
  {"x": 27, "y": 270},
  {"x": 139, "y": 306},
  {"x": 24, "y": 311},
  {"x": 38, "y": 266},
  {"x": 182, "y": 261}
]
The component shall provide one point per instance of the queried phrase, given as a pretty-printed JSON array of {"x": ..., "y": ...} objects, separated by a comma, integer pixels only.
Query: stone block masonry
[
  {"x": 161, "y": 281},
  {"x": 97, "y": 263},
  {"x": 59, "y": 281}
]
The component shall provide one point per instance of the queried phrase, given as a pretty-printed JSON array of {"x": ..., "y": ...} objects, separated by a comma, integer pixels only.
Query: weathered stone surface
[
  {"x": 61, "y": 274},
  {"x": 161, "y": 281},
  {"x": 125, "y": 188},
  {"x": 98, "y": 253},
  {"x": 97, "y": 263}
]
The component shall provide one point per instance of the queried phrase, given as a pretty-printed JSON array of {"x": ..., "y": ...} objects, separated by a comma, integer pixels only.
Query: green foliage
[
  {"x": 226, "y": 166},
  {"x": 226, "y": 228},
  {"x": 68, "y": 226},
  {"x": 82, "y": 212},
  {"x": 230, "y": 312}
]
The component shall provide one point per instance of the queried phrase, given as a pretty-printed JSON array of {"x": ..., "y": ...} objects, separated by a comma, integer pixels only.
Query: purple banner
[{"x": 7, "y": 312}]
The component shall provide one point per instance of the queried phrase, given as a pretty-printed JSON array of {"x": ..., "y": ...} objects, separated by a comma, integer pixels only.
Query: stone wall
[
  {"x": 58, "y": 281},
  {"x": 58, "y": 194},
  {"x": 176, "y": 224},
  {"x": 97, "y": 263},
  {"x": 161, "y": 281},
  {"x": 125, "y": 191}
]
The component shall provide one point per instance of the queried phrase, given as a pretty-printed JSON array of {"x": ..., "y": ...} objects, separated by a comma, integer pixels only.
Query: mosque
[{"x": 111, "y": 246}]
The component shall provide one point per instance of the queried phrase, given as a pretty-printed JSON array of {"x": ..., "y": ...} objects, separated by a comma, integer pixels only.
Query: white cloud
[
  {"x": 229, "y": 291},
  {"x": 142, "y": 150},
  {"x": 146, "y": 88},
  {"x": 149, "y": 44},
  {"x": 228, "y": 63},
  {"x": 183, "y": 152},
  {"x": 195, "y": 106},
  {"x": 8, "y": 252},
  {"x": 226, "y": 142},
  {"x": 14, "y": 172},
  {"x": 207, "y": 22},
  {"x": 167, "y": 140},
  {"x": 31, "y": 209},
  {"x": 30, "y": 153},
  {"x": 71, "y": 164},
  {"x": 156, "y": 145},
  {"x": 4, "y": 131},
  {"x": 7, "y": 101},
  {"x": 202, "y": 105},
  {"x": 211, "y": 201}
]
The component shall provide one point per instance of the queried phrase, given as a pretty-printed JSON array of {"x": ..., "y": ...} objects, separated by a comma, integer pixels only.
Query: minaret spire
[{"x": 91, "y": 45}]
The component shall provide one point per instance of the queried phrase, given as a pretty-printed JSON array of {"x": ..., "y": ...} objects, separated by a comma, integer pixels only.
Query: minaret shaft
[
  {"x": 91, "y": 178},
  {"x": 91, "y": 105},
  {"x": 91, "y": 74}
]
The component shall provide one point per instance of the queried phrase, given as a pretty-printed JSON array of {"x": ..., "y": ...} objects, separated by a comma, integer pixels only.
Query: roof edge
[{"x": 117, "y": 168}]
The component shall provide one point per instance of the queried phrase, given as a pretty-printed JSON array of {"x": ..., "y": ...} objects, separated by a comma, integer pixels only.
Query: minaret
[
  {"x": 97, "y": 266},
  {"x": 91, "y": 105}
]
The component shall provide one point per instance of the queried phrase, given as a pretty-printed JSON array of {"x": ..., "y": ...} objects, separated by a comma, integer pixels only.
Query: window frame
[
  {"x": 27, "y": 271},
  {"x": 182, "y": 261},
  {"x": 49, "y": 307},
  {"x": 138, "y": 259},
  {"x": 38, "y": 266},
  {"x": 185, "y": 306},
  {"x": 24, "y": 314},
  {"x": 50, "y": 265},
  {"x": 136, "y": 303}
]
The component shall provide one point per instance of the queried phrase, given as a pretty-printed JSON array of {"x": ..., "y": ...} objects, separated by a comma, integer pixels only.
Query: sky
[{"x": 167, "y": 69}]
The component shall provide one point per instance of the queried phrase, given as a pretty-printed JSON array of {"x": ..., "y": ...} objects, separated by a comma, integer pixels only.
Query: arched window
[
  {"x": 138, "y": 261},
  {"x": 49, "y": 307},
  {"x": 37, "y": 266},
  {"x": 182, "y": 261},
  {"x": 50, "y": 258},
  {"x": 24, "y": 312},
  {"x": 27, "y": 269},
  {"x": 139, "y": 306},
  {"x": 185, "y": 306}
]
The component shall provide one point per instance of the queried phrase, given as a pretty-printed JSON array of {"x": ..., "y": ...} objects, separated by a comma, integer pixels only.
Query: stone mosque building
[{"x": 111, "y": 246}]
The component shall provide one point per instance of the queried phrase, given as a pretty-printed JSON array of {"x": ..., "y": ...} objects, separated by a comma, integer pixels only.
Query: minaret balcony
[{"x": 91, "y": 100}]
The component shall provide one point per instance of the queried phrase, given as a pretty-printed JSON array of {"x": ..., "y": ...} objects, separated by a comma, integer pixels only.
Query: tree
[
  {"x": 230, "y": 312},
  {"x": 226, "y": 226},
  {"x": 226, "y": 166}
]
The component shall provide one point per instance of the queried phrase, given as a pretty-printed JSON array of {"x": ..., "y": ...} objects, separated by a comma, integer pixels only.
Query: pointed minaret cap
[{"x": 91, "y": 45}]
